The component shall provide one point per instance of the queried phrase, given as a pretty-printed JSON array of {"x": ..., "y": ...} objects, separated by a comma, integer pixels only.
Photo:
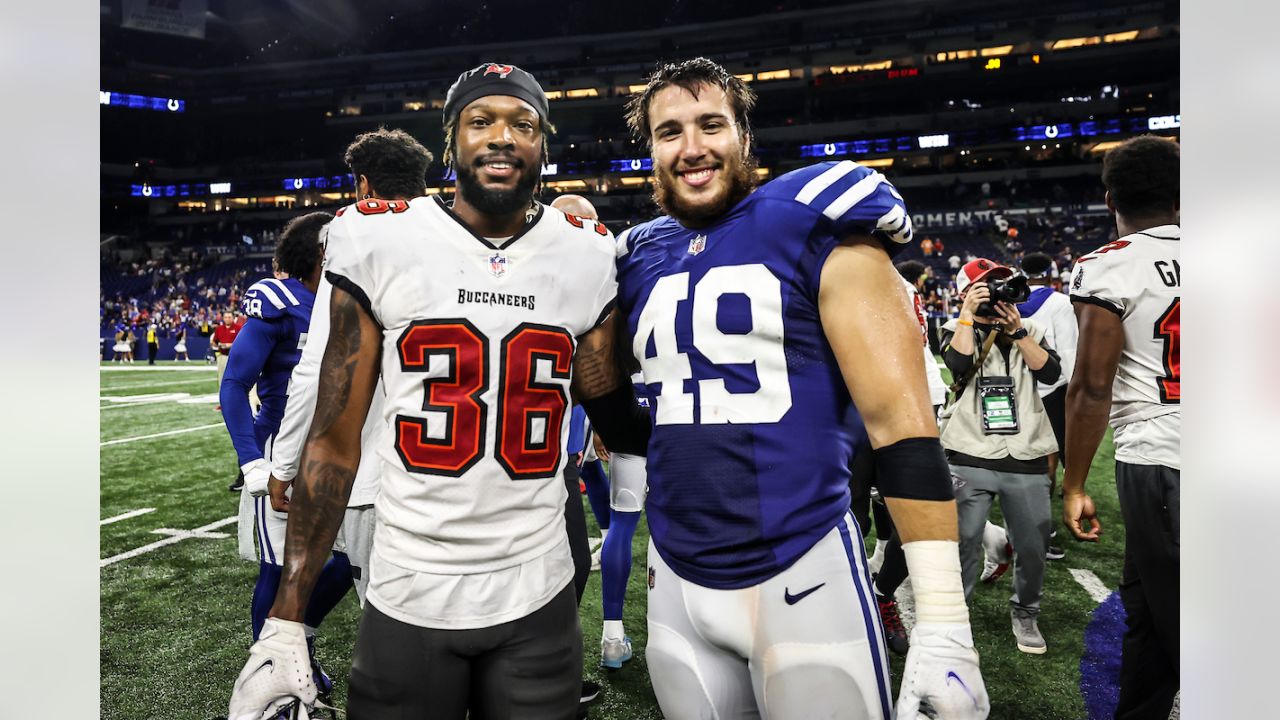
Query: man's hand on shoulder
[
  {"x": 277, "y": 674},
  {"x": 942, "y": 673}
]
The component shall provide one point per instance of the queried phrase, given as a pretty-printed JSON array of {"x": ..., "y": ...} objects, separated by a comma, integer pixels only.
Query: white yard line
[
  {"x": 172, "y": 368},
  {"x": 188, "y": 381},
  {"x": 126, "y": 516},
  {"x": 1091, "y": 584},
  {"x": 156, "y": 435},
  {"x": 178, "y": 536}
]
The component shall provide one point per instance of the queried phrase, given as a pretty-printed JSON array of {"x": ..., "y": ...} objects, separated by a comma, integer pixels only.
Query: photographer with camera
[{"x": 996, "y": 433}]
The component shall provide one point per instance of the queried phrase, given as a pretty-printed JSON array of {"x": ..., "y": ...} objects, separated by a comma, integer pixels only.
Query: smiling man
[
  {"x": 470, "y": 609},
  {"x": 773, "y": 332}
]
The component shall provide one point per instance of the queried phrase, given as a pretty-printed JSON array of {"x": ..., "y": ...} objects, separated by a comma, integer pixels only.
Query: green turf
[{"x": 175, "y": 621}]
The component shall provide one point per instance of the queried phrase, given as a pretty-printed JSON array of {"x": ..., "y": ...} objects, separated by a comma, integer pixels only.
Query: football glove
[
  {"x": 942, "y": 673},
  {"x": 277, "y": 675},
  {"x": 256, "y": 474}
]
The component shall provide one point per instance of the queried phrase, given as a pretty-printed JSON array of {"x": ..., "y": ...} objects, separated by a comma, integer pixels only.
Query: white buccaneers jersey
[
  {"x": 937, "y": 388},
  {"x": 1138, "y": 278},
  {"x": 477, "y": 349}
]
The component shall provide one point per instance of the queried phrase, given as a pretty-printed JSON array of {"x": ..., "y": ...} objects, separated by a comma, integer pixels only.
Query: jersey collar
[
  {"x": 448, "y": 211},
  {"x": 1162, "y": 232}
]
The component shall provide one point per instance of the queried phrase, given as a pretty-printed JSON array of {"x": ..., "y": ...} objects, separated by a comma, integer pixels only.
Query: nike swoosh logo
[
  {"x": 265, "y": 663},
  {"x": 952, "y": 674},
  {"x": 793, "y": 599}
]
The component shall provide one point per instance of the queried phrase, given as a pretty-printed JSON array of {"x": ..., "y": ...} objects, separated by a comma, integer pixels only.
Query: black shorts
[{"x": 526, "y": 669}]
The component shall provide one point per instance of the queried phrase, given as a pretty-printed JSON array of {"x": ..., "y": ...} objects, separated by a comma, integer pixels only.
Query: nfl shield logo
[
  {"x": 497, "y": 265},
  {"x": 697, "y": 244}
]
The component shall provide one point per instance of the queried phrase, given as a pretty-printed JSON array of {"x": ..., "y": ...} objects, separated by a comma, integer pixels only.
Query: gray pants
[{"x": 1024, "y": 500}]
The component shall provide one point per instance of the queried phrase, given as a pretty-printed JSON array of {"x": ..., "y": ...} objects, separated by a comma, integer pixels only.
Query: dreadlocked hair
[
  {"x": 299, "y": 249},
  {"x": 692, "y": 75},
  {"x": 394, "y": 163},
  {"x": 1141, "y": 174}
]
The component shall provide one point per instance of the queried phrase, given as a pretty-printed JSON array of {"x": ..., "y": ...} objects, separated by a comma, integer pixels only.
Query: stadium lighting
[{"x": 934, "y": 141}]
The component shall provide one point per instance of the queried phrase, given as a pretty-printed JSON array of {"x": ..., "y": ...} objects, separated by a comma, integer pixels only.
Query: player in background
[
  {"x": 461, "y": 310},
  {"x": 268, "y": 346},
  {"x": 1128, "y": 300},
  {"x": 386, "y": 165},
  {"x": 771, "y": 327},
  {"x": 627, "y": 488}
]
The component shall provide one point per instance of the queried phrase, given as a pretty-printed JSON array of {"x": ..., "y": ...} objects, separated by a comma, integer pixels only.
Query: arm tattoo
[
  {"x": 338, "y": 366},
  {"x": 348, "y": 374},
  {"x": 596, "y": 370}
]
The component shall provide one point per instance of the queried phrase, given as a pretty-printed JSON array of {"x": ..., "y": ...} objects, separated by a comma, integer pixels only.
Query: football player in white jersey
[
  {"x": 465, "y": 312},
  {"x": 387, "y": 165},
  {"x": 772, "y": 328},
  {"x": 1128, "y": 300}
]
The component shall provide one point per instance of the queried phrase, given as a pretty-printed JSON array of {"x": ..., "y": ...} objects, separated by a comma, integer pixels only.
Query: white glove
[
  {"x": 277, "y": 674},
  {"x": 256, "y": 474},
  {"x": 942, "y": 671}
]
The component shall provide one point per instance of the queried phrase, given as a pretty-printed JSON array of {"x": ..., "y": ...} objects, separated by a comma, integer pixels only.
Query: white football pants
[{"x": 806, "y": 643}]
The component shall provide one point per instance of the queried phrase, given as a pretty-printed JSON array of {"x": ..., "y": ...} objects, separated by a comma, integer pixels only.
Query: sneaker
[
  {"x": 895, "y": 635},
  {"x": 614, "y": 652},
  {"x": 324, "y": 684},
  {"x": 1053, "y": 552},
  {"x": 992, "y": 570},
  {"x": 590, "y": 691},
  {"x": 238, "y": 485},
  {"x": 1027, "y": 633},
  {"x": 595, "y": 560}
]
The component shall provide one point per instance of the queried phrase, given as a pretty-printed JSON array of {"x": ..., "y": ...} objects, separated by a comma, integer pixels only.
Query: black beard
[
  {"x": 497, "y": 202},
  {"x": 742, "y": 180}
]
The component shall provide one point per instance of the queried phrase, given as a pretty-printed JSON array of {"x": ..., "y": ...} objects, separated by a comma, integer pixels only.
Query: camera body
[{"x": 1012, "y": 290}]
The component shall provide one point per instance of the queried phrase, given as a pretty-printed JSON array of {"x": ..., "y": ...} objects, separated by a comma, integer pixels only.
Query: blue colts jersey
[
  {"x": 753, "y": 425},
  {"x": 264, "y": 352}
]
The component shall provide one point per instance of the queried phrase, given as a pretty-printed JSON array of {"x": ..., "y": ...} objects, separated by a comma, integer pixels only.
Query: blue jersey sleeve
[
  {"x": 245, "y": 363},
  {"x": 269, "y": 299},
  {"x": 848, "y": 199},
  {"x": 577, "y": 430}
]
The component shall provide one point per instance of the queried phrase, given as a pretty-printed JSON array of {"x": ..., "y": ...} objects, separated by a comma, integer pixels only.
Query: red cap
[{"x": 980, "y": 270}]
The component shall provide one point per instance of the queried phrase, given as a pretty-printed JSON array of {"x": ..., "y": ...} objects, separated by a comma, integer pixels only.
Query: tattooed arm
[
  {"x": 601, "y": 384},
  {"x": 348, "y": 375}
]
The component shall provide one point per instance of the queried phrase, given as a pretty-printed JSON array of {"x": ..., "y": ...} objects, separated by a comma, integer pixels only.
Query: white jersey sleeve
[
  {"x": 1138, "y": 277},
  {"x": 300, "y": 410}
]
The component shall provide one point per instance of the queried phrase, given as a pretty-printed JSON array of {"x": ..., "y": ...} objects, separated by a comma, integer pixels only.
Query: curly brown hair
[
  {"x": 392, "y": 160},
  {"x": 692, "y": 75}
]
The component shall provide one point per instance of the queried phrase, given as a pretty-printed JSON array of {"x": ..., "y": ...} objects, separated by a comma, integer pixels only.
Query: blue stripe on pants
[
  {"x": 860, "y": 581},
  {"x": 260, "y": 508}
]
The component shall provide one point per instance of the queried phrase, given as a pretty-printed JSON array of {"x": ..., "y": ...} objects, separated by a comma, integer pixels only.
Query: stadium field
[{"x": 175, "y": 595}]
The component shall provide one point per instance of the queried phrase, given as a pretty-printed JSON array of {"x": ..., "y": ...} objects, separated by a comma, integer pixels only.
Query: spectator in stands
[
  {"x": 926, "y": 247},
  {"x": 938, "y": 247},
  {"x": 998, "y": 438}
]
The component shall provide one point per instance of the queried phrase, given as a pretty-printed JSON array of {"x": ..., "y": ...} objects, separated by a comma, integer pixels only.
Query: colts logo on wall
[{"x": 497, "y": 265}]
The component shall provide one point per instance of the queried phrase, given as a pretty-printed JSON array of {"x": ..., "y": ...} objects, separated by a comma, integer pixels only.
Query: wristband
[
  {"x": 964, "y": 322},
  {"x": 1018, "y": 334},
  {"x": 935, "y": 579}
]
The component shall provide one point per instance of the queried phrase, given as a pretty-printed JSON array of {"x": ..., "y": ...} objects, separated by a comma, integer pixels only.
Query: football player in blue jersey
[
  {"x": 265, "y": 352},
  {"x": 772, "y": 329}
]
